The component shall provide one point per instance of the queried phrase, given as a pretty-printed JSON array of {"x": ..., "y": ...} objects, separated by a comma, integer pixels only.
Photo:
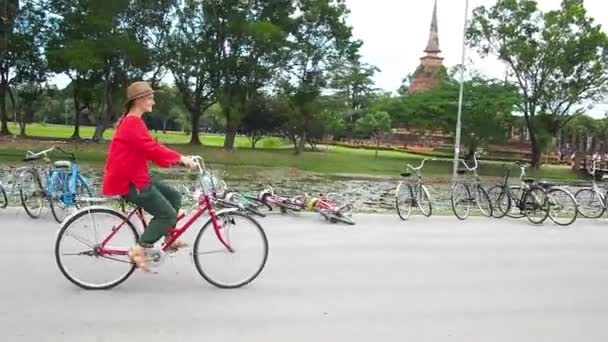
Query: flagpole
[{"x": 460, "y": 95}]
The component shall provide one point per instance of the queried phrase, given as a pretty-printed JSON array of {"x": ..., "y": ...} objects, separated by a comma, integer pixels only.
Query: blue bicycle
[{"x": 66, "y": 189}]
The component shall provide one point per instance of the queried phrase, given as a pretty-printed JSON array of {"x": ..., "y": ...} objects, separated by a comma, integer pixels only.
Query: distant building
[{"x": 431, "y": 71}]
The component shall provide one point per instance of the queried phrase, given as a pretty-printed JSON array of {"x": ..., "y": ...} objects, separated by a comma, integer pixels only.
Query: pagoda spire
[{"x": 432, "y": 47}]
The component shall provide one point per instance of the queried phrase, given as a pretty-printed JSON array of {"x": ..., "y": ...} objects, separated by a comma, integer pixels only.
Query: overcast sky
[{"x": 395, "y": 33}]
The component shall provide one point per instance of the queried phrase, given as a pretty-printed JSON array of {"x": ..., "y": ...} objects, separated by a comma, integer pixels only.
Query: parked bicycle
[
  {"x": 592, "y": 200},
  {"x": 10, "y": 185},
  {"x": 461, "y": 198},
  {"x": 536, "y": 200},
  {"x": 102, "y": 233},
  {"x": 408, "y": 196},
  {"x": 66, "y": 188}
]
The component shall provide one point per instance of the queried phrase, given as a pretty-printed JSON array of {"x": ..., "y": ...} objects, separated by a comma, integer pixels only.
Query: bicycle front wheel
[
  {"x": 461, "y": 200},
  {"x": 233, "y": 267},
  {"x": 79, "y": 254},
  {"x": 535, "y": 205},
  {"x": 562, "y": 206},
  {"x": 590, "y": 203},
  {"x": 424, "y": 201},
  {"x": 403, "y": 201}
]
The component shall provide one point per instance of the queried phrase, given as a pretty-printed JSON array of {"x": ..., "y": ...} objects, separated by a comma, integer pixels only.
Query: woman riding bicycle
[{"x": 127, "y": 172}]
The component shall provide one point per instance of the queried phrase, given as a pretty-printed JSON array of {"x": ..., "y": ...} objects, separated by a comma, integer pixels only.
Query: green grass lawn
[
  {"x": 271, "y": 153},
  {"x": 65, "y": 132}
]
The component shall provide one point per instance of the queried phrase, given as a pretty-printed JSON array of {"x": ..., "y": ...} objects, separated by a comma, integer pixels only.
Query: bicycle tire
[
  {"x": 424, "y": 193},
  {"x": 341, "y": 218},
  {"x": 530, "y": 195},
  {"x": 58, "y": 244},
  {"x": 499, "y": 210},
  {"x": 404, "y": 213},
  {"x": 570, "y": 198},
  {"x": 55, "y": 176},
  {"x": 40, "y": 191},
  {"x": 580, "y": 199},
  {"x": 196, "y": 245},
  {"x": 467, "y": 201},
  {"x": 515, "y": 197},
  {"x": 481, "y": 192},
  {"x": 3, "y": 198}
]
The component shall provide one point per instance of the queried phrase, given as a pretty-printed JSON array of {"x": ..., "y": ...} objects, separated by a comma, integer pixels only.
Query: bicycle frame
[{"x": 70, "y": 188}]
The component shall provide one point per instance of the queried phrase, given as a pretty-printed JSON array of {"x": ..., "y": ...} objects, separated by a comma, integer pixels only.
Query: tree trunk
[
  {"x": 77, "y": 110},
  {"x": 165, "y": 126},
  {"x": 301, "y": 143},
  {"x": 377, "y": 146},
  {"x": 231, "y": 128},
  {"x": 22, "y": 124},
  {"x": 535, "y": 148},
  {"x": 195, "y": 116},
  {"x": 4, "y": 129}
]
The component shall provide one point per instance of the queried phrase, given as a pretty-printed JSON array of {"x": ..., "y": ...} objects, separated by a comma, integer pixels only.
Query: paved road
[{"x": 435, "y": 279}]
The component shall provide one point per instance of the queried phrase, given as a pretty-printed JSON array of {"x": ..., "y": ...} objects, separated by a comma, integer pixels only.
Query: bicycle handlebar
[
  {"x": 29, "y": 155},
  {"x": 421, "y": 164}
]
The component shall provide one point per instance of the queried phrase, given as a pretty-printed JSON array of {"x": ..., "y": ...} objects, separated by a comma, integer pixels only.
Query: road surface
[{"x": 436, "y": 279}]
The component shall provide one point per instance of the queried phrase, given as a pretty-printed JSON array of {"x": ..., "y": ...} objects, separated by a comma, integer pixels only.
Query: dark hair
[{"x": 128, "y": 107}]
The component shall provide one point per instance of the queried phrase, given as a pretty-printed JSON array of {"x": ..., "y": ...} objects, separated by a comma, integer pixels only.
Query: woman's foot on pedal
[{"x": 138, "y": 256}]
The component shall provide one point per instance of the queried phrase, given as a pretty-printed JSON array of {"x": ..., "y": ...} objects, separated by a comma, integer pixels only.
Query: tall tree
[
  {"x": 320, "y": 39},
  {"x": 194, "y": 61},
  {"x": 30, "y": 67},
  {"x": 106, "y": 43},
  {"x": 558, "y": 58},
  {"x": 252, "y": 48},
  {"x": 9, "y": 10}
]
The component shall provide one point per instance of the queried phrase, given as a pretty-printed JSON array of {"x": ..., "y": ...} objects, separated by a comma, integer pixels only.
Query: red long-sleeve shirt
[{"x": 131, "y": 149}]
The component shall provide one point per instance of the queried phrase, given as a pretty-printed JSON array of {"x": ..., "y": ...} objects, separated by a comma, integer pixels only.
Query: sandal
[{"x": 139, "y": 258}]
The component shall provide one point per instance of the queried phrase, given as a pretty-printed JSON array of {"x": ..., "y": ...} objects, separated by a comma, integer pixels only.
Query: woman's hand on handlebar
[{"x": 188, "y": 162}]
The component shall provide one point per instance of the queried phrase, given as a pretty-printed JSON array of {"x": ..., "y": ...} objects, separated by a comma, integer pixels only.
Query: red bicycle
[
  {"x": 105, "y": 235},
  {"x": 331, "y": 206}
]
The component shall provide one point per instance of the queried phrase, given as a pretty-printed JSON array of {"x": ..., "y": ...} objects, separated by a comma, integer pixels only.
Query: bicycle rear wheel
[
  {"x": 81, "y": 237},
  {"x": 500, "y": 201},
  {"x": 483, "y": 201},
  {"x": 590, "y": 203},
  {"x": 230, "y": 269},
  {"x": 562, "y": 206},
  {"x": 461, "y": 200},
  {"x": 403, "y": 200},
  {"x": 31, "y": 193},
  {"x": 3, "y": 198},
  {"x": 424, "y": 201}
]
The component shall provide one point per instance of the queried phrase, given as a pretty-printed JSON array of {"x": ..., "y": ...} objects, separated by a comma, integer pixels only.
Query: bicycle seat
[
  {"x": 62, "y": 164},
  {"x": 406, "y": 174},
  {"x": 528, "y": 180},
  {"x": 544, "y": 184},
  {"x": 461, "y": 171}
]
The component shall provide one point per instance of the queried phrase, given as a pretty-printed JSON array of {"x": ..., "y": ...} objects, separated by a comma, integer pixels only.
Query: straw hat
[{"x": 138, "y": 89}]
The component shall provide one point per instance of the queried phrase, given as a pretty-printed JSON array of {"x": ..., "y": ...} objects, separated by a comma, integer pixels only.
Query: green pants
[{"x": 163, "y": 203}]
